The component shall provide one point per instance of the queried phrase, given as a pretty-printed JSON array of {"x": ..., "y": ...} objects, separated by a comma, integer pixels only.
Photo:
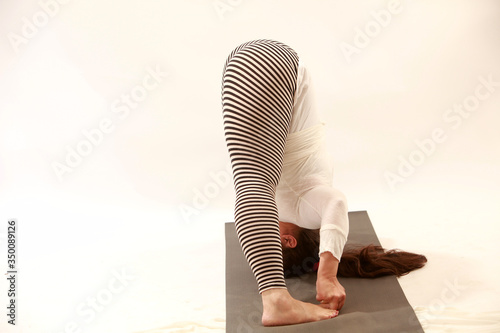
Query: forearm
[
  {"x": 325, "y": 208},
  {"x": 334, "y": 224},
  {"x": 329, "y": 291},
  {"x": 332, "y": 240},
  {"x": 328, "y": 265}
]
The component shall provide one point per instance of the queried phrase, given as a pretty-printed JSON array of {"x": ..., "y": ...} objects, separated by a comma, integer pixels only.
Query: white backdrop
[{"x": 112, "y": 154}]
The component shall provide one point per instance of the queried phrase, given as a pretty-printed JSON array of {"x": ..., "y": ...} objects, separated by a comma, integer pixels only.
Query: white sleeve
[
  {"x": 304, "y": 195},
  {"x": 325, "y": 208},
  {"x": 334, "y": 229}
]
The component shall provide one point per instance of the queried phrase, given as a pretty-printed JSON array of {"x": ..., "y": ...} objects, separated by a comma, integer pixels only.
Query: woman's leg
[{"x": 257, "y": 96}]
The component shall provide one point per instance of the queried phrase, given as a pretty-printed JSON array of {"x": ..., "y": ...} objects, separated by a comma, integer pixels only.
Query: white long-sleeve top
[{"x": 305, "y": 195}]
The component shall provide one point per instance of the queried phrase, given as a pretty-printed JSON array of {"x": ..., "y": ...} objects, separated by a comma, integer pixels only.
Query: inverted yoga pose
[{"x": 286, "y": 210}]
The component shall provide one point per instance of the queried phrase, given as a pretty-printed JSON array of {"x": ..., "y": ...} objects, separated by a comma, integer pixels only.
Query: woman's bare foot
[{"x": 280, "y": 308}]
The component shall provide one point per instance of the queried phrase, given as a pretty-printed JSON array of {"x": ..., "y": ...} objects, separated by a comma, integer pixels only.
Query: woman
[{"x": 284, "y": 197}]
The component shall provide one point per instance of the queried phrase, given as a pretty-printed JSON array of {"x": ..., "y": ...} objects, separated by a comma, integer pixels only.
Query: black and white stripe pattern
[{"x": 258, "y": 88}]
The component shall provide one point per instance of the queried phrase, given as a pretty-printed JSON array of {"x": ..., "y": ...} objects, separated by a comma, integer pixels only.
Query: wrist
[{"x": 328, "y": 264}]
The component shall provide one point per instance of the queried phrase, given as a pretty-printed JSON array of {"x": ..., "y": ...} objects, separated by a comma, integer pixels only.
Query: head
[{"x": 300, "y": 248}]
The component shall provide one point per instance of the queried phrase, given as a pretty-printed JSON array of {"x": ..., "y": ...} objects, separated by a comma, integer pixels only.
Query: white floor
[
  {"x": 173, "y": 271},
  {"x": 128, "y": 236}
]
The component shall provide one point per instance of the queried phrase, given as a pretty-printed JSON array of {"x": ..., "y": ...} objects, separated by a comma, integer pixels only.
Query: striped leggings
[{"x": 258, "y": 87}]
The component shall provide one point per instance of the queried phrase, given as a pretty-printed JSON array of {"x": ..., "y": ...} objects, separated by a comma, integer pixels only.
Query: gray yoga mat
[{"x": 372, "y": 305}]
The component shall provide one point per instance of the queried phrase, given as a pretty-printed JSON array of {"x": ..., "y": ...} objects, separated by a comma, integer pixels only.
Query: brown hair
[{"x": 369, "y": 261}]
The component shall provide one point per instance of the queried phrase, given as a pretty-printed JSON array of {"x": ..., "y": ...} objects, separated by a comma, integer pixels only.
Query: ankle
[{"x": 274, "y": 296}]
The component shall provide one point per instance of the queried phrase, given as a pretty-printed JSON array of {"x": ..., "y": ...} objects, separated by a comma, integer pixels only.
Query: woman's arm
[
  {"x": 329, "y": 291},
  {"x": 333, "y": 236},
  {"x": 328, "y": 207}
]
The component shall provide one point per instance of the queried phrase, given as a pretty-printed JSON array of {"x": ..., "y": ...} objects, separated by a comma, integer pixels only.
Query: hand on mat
[{"x": 329, "y": 291}]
